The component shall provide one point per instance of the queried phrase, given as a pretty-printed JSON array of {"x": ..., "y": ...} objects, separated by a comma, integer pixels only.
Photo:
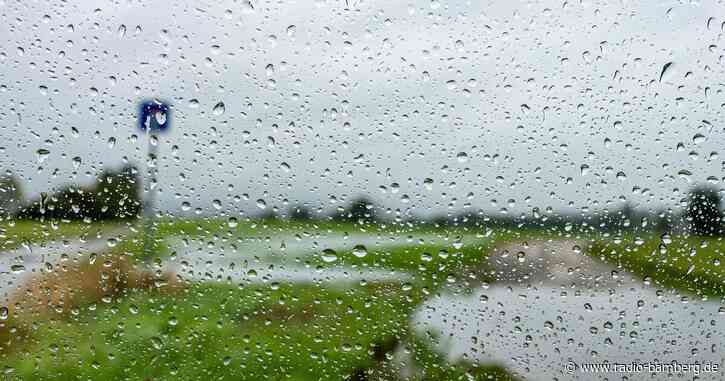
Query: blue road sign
[{"x": 154, "y": 116}]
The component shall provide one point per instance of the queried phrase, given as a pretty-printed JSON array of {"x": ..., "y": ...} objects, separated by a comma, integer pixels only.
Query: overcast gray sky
[{"x": 427, "y": 107}]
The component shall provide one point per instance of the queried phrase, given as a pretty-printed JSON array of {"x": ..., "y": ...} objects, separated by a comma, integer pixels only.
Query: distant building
[{"x": 11, "y": 197}]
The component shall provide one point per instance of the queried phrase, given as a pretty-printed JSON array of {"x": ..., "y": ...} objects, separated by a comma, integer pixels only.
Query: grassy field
[
  {"x": 689, "y": 264},
  {"x": 136, "y": 329},
  {"x": 119, "y": 317},
  {"x": 430, "y": 266},
  {"x": 298, "y": 332}
]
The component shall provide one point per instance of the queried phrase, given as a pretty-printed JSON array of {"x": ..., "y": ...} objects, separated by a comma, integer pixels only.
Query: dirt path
[
  {"x": 21, "y": 265},
  {"x": 559, "y": 262}
]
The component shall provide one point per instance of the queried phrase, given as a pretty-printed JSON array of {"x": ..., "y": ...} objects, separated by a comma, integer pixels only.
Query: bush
[
  {"x": 703, "y": 212},
  {"x": 116, "y": 195},
  {"x": 11, "y": 195},
  {"x": 360, "y": 210}
]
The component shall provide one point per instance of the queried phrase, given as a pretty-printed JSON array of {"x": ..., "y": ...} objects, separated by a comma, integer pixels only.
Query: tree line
[
  {"x": 116, "y": 194},
  {"x": 702, "y": 216}
]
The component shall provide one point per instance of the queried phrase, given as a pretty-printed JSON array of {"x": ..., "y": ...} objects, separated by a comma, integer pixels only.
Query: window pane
[{"x": 361, "y": 190}]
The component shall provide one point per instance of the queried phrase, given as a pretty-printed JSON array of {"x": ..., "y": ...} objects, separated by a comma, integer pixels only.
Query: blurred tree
[
  {"x": 360, "y": 210},
  {"x": 628, "y": 215},
  {"x": 663, "y": 221},
  {"x": 300, "y": 213},
  {"x": 11, "y": 196},
  {"x": 116, "y": 195},
  {"x": 703, "y": 211},
  {"x": 269, "y": 214}
]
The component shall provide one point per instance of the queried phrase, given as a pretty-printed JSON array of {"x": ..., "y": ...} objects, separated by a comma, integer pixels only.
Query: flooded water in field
[
  {"x": 551, "y": 305},
  {"x": 289, "y": 246},
  {"x": 553, "y": 314},
  {"x": 281, "y": 258},
  {"x": 536, "y": 332}
]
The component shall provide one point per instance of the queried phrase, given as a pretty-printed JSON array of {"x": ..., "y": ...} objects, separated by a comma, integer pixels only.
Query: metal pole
[
  {"x": 154, "y": 118},
  {"x": 148, "y": 208}
]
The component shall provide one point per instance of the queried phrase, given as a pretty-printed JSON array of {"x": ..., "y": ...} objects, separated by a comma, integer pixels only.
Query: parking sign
[{"x": 154, "y": 116}]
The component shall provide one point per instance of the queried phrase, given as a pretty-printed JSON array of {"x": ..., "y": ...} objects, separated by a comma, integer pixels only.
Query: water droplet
[
  {"x": 157, "y": 343},
  {"x": 160, "y": 117},
  {"x": 584, "y": 169},
  {"x": 17, "y": 268},
  {"x": 219, "y": 108},
  {"x": 685, "y": 174},
  {"x": 42, "y": 154},
  {"x": 247, "y": 6},
  {"x": 232, "y": 222},
  {"x": 359, "y": 251},
  {"x": 667, "y": 71},
  {"x": 328, "y": 256}
]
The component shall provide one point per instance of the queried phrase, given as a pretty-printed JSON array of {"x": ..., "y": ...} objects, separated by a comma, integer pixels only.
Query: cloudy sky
[{"x": 427, "y": 107}]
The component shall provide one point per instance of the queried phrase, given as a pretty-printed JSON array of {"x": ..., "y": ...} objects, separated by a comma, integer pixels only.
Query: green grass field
[
  {"x": 689, "y": 264},
  {"x": 267, "y": 331},
  {"x": 298, "y": 331}
]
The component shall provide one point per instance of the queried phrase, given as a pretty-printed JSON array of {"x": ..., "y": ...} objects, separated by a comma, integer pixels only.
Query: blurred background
[{"x": 360, "y": 190}]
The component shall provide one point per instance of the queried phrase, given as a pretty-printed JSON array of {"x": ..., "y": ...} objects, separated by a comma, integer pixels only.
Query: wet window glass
[{"x": 362, "y": 190}]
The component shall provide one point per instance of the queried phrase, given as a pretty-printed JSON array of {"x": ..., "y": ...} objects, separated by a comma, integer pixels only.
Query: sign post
[{"x": 154, "y": 117}]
